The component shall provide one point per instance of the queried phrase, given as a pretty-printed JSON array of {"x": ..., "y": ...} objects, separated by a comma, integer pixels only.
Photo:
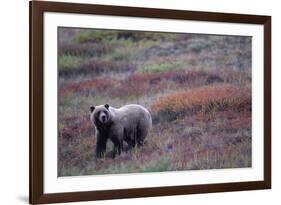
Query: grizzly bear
[{"x": 129, "y": 123}]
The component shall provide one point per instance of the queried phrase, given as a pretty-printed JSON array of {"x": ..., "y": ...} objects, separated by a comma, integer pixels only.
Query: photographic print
[{"x": 144, "y": 101}]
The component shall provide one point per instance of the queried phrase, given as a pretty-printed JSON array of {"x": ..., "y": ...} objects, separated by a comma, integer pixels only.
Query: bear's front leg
[
  {"x": 117, "y": 146},
  {"x": 101, "y": 145}
]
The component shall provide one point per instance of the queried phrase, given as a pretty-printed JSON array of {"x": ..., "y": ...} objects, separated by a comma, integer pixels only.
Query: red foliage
[
  {"x": 76, "y": 126},
  {"x": 100, "y": 85},
  {"x": 146, "y": 83},
  {"x": 139, "y": 84},
  {"x": 205, "y": 99}
]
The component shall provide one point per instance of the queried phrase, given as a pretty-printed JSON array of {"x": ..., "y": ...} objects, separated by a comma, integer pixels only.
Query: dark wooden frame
[{"x": 37, "y": 9}]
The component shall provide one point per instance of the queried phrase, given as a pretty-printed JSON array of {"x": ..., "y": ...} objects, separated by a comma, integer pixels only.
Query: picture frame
[{"x": 37, "y": 151}]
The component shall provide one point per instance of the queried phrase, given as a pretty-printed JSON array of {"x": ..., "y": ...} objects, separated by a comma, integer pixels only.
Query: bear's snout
[{"x": 103, "y": 117}]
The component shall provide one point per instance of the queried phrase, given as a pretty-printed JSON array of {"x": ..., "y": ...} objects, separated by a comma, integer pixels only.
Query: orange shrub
[{"x": 204, "y": 99}]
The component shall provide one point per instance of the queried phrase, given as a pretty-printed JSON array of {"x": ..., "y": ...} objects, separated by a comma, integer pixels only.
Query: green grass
[
  {"x": 162, "y": 67},
  {"x": 95, "y": 36},
  {"x": 69, "y": 61},
  {"x": 159, "y": 165},
  {"x": 197, "y": 45},
  {"x": 107, "y": 36},
  {"x": 120, "y": 55},
  {"x": 74, "y": 171}
]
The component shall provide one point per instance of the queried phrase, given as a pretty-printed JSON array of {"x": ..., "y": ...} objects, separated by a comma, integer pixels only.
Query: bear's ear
[
  {"x": 106, "y": 106},
  {"x": 92, "y": 108}
]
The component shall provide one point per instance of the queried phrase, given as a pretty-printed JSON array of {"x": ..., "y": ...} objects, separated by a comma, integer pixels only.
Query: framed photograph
[{"x": 139, "y": 102}]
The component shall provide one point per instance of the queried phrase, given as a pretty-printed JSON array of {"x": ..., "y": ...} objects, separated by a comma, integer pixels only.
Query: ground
[{"x": 197, "y": 88}]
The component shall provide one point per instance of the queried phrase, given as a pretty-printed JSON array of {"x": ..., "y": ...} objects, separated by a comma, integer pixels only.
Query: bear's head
[{"x": 100, "y": 115}]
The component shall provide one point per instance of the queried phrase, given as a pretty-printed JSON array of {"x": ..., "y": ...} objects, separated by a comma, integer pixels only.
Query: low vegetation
[
  {"x": 197, "y": 88},
  {"x": 206, "y": 99}
]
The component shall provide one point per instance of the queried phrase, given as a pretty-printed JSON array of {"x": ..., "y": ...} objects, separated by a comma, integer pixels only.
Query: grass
[
  {"x": 204, "y": 100},
  {"x": 85, "y": 49},
  {"x": 138, "y": 84},
  {"x": 121, "y": 54},
  {"x": 105, "y": 36},
  {"x": 197, "y": 88},
  {"x": 106, "y": 66},
  {"x": 68, "y": 62},
  {"x": 94, "y": 36},
  {"x": 161, "y": 67},
  {"x": 197, "y": 45}
]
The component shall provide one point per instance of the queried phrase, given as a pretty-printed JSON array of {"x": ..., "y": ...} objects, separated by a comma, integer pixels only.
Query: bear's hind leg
[{"x": 141, "y": 135}]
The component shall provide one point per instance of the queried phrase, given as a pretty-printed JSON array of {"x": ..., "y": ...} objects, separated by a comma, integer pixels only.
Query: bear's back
[{"x": 130, "y": 114}]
